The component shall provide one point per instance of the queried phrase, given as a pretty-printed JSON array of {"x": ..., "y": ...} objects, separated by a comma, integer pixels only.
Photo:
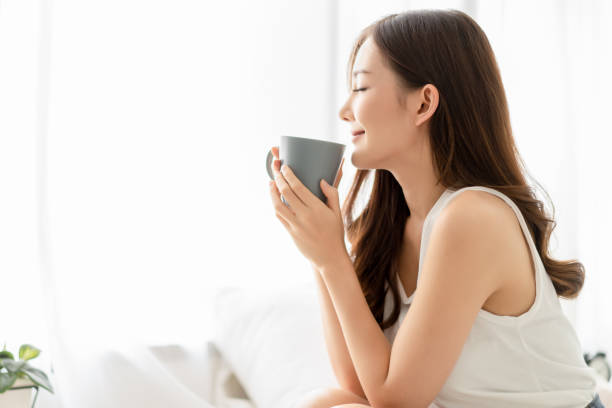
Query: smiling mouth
[{"x": 356, "y": 136}]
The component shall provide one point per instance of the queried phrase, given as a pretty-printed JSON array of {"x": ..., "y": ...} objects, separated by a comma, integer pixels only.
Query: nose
[{"x": 345, "y": 113}]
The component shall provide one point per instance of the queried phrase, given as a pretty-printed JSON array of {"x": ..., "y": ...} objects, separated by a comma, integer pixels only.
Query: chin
[{"x": 358, "y": 162}]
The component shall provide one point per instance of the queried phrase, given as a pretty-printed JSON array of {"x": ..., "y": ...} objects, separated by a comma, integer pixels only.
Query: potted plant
[{"x": 18, "y": 379}]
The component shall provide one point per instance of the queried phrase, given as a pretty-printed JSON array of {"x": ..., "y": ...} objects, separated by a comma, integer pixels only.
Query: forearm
[
  {"x": 336, "y": 344},
  {"x": 367, "y": 345}
]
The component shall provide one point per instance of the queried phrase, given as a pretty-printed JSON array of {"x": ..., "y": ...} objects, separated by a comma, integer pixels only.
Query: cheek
[
  {"x": 368, "y": 111},
  {"x": 377, "y": 114}
]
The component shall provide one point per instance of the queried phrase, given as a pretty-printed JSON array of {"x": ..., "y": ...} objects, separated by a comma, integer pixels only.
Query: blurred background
[{"x": 133, "y": 136}]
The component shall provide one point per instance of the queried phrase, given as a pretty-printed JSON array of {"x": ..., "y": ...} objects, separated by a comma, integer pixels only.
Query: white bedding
[{"x": 226, "y": 390}]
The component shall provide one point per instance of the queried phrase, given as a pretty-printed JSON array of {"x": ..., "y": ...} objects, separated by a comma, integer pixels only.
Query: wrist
[{"x": 336, "y": 266}]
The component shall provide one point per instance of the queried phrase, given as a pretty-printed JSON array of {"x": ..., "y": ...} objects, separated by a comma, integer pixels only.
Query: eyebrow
[{"x": 360, "y": 71}]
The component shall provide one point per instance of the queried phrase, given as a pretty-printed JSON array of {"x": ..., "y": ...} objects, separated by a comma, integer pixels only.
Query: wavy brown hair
[{"x": 471, "y": 141}]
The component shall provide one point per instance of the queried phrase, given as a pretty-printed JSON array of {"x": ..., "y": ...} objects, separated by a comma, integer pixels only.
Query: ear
[{"x": 428, "y": 98}]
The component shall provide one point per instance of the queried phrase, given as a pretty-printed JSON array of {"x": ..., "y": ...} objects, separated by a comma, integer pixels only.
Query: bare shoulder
[
  {"x": 484, "y": 228},
  {"x": 481, "y": 226},
  {"x": 477, "y": 205}
]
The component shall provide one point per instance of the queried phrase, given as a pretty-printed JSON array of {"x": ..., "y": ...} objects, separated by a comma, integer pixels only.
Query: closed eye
[{"x": 360, "y": 89}]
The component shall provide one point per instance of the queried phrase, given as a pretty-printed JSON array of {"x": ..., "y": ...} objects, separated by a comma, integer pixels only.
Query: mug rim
[{"x": 315, "y": 140}]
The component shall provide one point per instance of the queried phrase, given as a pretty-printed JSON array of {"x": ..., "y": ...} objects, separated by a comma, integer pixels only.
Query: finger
[
  {"x": 285, "y": 223},
  {"x": 275, "y": 151},
  {"x": 288, "y": 192},
  {"x": 339, "y": 175},
  {"x": 300, "y": 190},
  {"x": 283, "y": 212}
]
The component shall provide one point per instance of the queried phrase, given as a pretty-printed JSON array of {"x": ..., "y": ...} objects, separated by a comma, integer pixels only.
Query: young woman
[{"x": 448, "y": 296}]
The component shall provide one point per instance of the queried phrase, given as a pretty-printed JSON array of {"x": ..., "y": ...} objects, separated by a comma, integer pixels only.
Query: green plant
[{"x": 11, "y": 369}]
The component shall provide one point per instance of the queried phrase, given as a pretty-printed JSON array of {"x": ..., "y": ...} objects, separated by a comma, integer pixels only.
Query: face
[{"x": 390, "y": 129}]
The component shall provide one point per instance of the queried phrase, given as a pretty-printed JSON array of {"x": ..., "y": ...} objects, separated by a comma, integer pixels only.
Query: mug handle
[{"x": 269, "y": 159}]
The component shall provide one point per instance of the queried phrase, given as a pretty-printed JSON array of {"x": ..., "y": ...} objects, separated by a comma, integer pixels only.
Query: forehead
[{"x": 367, "y": 56}]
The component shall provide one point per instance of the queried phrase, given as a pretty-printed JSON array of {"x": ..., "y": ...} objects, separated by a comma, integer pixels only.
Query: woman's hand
[{"x": 316, "y": 228}]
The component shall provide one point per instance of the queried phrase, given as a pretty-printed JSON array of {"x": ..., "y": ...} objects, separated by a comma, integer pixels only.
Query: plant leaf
[
  {"x": 28, "y": 352},
  {"x": 6, "y": 381},
  {"x": 38, "y": 377},
  {"x": 6, "y": 354},
  {"x": 13, "y": 366}
]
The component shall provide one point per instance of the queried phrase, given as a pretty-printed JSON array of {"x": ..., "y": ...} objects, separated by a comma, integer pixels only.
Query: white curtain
[{"x": 132, "y": 185}]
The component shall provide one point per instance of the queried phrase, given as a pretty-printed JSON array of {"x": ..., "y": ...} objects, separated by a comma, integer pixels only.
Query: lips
[
  {"x": 358, "y": 132},
  {"x": 356, "y": 136}
]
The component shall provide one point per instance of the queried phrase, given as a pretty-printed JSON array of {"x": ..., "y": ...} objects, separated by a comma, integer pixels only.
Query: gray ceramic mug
[{"x": 311, "y": 160}]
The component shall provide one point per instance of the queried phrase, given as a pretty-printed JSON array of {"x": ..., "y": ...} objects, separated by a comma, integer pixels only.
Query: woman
[{"x": 449, "y": 208}]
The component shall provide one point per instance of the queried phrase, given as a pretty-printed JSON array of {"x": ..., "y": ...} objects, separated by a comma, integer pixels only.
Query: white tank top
[{"x": 532, "y": 360}]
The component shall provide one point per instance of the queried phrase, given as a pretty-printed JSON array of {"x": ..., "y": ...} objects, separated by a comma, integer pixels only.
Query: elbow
[
  {"x": 382, "y": 400},
  {"x": 395, "y": 404},
  {"x": 355, "y": 389},
  {"x": 387, "y": 399}
]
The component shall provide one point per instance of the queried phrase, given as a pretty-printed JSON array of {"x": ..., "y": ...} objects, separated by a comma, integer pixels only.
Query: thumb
[{"x": 332, "y": 196}]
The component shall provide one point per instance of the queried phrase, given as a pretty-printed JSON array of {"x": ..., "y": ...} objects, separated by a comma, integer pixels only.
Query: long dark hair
[{"x": 471, "y": 141}]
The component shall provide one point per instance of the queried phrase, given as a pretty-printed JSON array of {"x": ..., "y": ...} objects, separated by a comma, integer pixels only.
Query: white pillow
[{"x": 273, "y": 341}]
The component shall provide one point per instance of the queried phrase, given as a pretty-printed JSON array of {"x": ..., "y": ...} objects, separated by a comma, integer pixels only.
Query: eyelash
[{"x": 360, "y": 89}]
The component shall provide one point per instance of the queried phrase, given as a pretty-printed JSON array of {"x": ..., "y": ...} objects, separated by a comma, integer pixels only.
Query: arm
[
  {"x": 367, "y": 345},
  {"x": 461, "y": 269},
  {"x": 336, "y": 344}
]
